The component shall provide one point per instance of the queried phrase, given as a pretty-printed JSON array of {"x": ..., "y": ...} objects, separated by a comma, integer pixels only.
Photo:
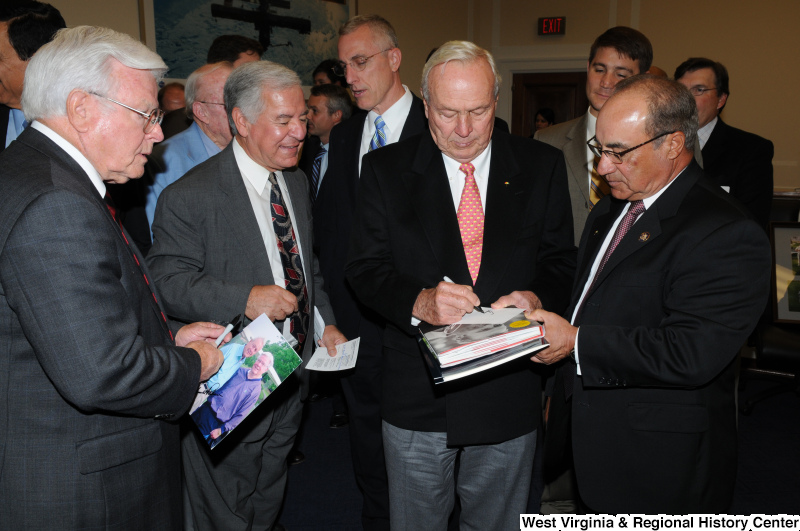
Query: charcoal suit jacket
[{"x": 88, "y": 373}]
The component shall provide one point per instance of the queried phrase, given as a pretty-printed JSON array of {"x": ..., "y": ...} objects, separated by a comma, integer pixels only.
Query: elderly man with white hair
[{"x": 90, "y": 372}]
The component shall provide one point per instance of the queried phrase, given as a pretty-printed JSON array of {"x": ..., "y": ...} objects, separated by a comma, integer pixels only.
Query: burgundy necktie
[
  {"x": 113, "y": 210},
  {"x": 292, "y": 263}
]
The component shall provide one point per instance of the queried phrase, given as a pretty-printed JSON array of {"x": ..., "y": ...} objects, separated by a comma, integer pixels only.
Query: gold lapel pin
[{"x": 643, "y": 237}]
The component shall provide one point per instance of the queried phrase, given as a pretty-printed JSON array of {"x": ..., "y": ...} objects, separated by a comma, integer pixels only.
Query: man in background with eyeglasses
[
  {"x": 738, "y": 161},
  {"x": 617, "y": 54},
  {"x": 209, "y": 133},
  {"x": 93, "y": 375},
  {"x": 672, "y": 277},
  {"x": 370, "y": 61}
]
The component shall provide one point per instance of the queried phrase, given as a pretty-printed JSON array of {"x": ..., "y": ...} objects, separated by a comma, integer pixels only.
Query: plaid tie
[
  {"x": 292, "y": 263},
  {"x": 470, "y": 221},
  {"x": 379, "y": 138}
]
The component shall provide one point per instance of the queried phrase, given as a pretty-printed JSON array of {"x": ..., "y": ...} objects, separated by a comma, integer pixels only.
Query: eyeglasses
[
  {"x": 152, "y": 118},
  {"x": 616, "y": 156},
  {"x": 211, "y": 102},
  {"x": 359, "y": 63},
  {"x": 699, "y": 91}
]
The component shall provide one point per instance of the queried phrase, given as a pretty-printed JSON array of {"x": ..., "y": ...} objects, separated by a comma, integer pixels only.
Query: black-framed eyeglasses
[
  {"x": 616, "y": 156},
  {"x": 152, "y": 118},
  {"x": 699, "y": 91},
  {"x": 359, "y": 63}
]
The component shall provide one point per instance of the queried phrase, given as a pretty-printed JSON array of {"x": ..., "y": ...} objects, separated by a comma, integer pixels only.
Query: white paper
[
  {"x": 345, "y": 358},
  {"x": 489, "y": 316}
]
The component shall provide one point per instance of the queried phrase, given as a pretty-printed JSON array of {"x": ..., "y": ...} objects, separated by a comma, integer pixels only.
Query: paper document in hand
[
  {"x": 256, "y": 362},
  {"x": 345, "y": 358}
]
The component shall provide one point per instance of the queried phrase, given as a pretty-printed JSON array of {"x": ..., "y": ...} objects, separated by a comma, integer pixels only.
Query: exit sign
[{"x": 552, "y": 26}]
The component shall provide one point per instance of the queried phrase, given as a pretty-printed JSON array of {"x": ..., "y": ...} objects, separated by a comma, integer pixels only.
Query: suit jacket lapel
[
  {"x": 415, "y": 121},
  {"x": 505, "y": 203},
  {"x": 575, "y": 155},
  {"x": 427, "y": 184},
  {"x": 238, "y": 212}
]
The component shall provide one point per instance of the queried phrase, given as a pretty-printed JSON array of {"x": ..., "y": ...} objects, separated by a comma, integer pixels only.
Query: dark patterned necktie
[
  {"x": 295, "y": 281},
  {"x": 315, "y": 171},
  {"x": 113, "y": 210}
]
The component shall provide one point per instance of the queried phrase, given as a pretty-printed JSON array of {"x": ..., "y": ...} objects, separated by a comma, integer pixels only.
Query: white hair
[
  {"x": 81, "y": 58},
  {"x": 248, "y": 82},
  {"x": 195, "y": 81},
  {"x": 462, "y": 51}
]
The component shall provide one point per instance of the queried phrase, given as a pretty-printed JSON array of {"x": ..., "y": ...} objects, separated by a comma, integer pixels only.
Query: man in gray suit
[
  {"x": 618, "y": 53},
  {"x": 90, "y": 373},
  {"x": 234, "y": 236}
]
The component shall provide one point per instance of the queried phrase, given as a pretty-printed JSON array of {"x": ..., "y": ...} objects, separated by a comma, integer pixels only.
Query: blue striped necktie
[
  {"x": 315, "y": 171},
  {"x": 379, "y": 138}
]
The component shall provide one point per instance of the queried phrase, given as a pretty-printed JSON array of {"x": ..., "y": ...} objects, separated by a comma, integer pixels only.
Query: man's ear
[
  {"x": 677, "y": 145},
  {"x": 199, "y": 112},
  {"x": 425, "y": 103},
  {"x": 81, "y": 110},
  {"x": 395, "y": 57},
  {"x": 721, "y": 101},
  {"x": 242, "y": 125},
  {"x": 337, "y": 116}
]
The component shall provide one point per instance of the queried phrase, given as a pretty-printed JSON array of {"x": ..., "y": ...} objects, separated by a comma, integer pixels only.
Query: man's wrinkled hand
[
  {"x": 524, "y": 300},
  {"x": 211, "y": 358},
  {"x": 445, "y": 304},
  {"x": 200, "y": 332},
  {"x": 331, "y": 337},
  {"x": 558, "y": 332},
  {"x": 273, "y": 300}
]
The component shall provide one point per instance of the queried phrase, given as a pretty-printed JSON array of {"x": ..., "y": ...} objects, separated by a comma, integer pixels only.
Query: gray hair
[
  {"x": 338, "y": 99},
  {"x": 195, "y": 80},
  {"x": 379, "y": 25},
  {"x": 81, "y": 58},
  {"x": 463, "y": 51},
  {"x": 670, "y": 106},
  {"x": 246, "y": 85}
]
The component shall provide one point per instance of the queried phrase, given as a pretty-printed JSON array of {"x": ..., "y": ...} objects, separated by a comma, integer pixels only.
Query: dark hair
[
  {"x": 326, "y": 67},
  {"x": 670, "y": 107},
  {"x": 548, "y": 114},
  {"x": 229, "y": 47},
  {"x": 338, "y": 99},
  {"x": 627, "y": 42},
  {"x": 31, "y": 25},
  {"x": 163, "y": 91},
  {"x": 696, "y": 63}
]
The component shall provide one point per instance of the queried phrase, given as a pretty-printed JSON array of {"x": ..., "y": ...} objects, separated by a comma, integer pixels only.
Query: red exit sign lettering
[{"x": 552, "y": 26}]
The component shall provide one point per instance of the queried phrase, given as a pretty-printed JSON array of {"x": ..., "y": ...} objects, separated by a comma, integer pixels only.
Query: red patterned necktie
[
  {"x": 294, "y": 277},
  {"x": 113, "y": 210},
  {"x": 470, "y": 221}
]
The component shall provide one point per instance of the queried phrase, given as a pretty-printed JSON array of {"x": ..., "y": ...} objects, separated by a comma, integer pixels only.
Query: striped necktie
[
  {"x": 315, "y": 171},
  {"x": 379, "y": 138}
]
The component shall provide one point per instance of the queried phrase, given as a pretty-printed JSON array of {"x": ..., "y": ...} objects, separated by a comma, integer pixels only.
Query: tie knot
[
  {"x": 272, "y": 180},
  {"x": 467, "y": 168},
  {"x": 637, "y": 207},
  {"x": 379, "y": 123}
]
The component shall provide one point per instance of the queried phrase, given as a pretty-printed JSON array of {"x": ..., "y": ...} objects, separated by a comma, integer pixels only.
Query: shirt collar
[
  {"x": 704, "y": 133},
  {"x": 394, "y": 114},
  {"x": 481, "y": 164},
  {"x": 75, "y": 154},
  {"x": 256, "y": 174}
]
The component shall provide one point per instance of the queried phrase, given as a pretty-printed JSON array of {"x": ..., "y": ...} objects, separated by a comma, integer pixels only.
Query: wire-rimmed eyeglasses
[
  {"x": 616, "y": 156},
  {"x": 358, "y": 63},
  {"x": 152, "y": 118},
  {"x": 699, "y": 91}
]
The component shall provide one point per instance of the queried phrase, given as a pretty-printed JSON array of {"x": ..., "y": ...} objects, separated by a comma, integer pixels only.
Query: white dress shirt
[
  {"x": 394, "y": 118},
  {"x": 256, "y": 181}
]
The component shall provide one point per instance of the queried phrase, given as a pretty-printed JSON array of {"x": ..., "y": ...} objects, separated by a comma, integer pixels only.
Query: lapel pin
[
  {"x": 643, "y": 237},
  {"x": 506, "y": 183}
]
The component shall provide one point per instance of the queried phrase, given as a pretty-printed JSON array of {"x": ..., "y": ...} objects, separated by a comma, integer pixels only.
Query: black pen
[{"x": 449, "y": 281}]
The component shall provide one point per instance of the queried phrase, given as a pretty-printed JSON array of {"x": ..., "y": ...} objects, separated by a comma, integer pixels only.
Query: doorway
[{"x": 564, "y": 92}]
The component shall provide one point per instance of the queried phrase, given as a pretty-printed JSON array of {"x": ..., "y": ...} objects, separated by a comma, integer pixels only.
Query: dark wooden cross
[{"x": 264, "y": 20}]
